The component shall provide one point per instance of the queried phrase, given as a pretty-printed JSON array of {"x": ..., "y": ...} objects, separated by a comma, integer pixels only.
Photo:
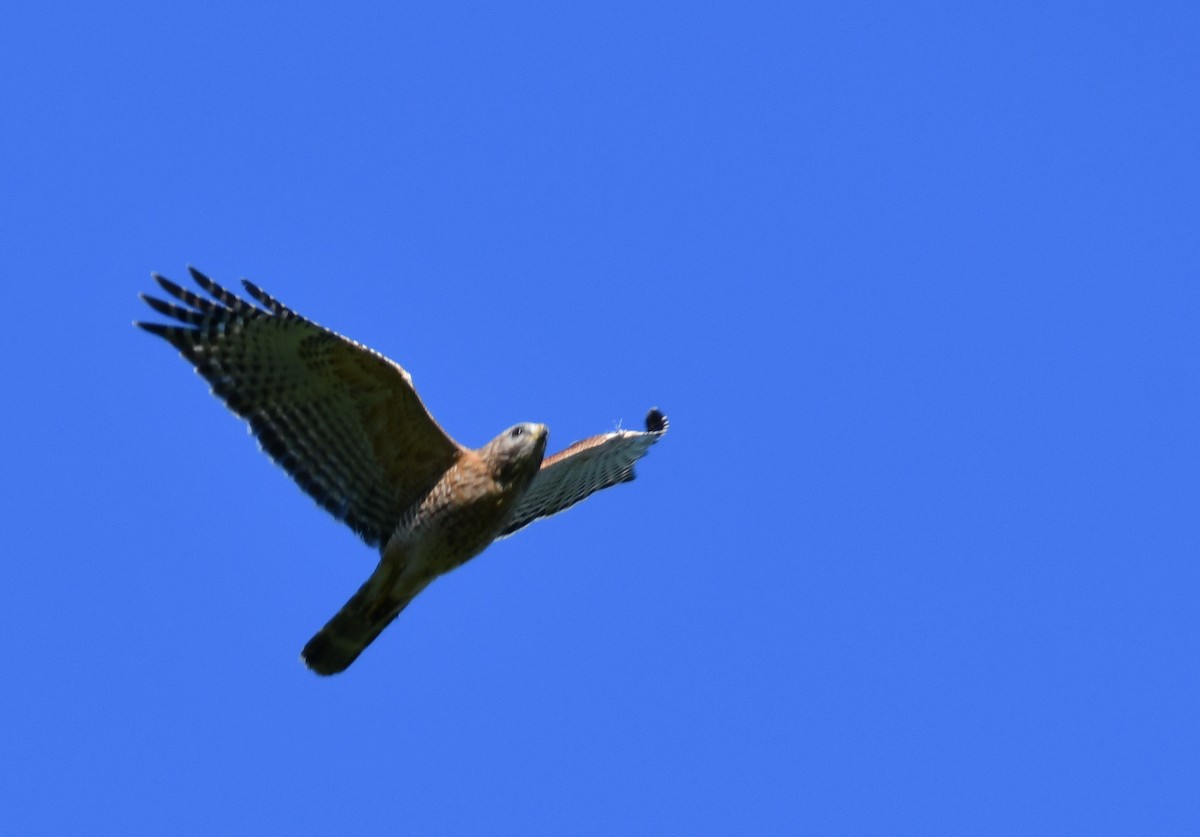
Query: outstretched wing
[
  {"x": 584, "y": 468},
  {"x": 342, "y": 420}
]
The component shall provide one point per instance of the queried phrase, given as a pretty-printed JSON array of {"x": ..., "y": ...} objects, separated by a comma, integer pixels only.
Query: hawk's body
[
  {"x": 348, "y": 426},
  {"x": 454, "y": 522}
]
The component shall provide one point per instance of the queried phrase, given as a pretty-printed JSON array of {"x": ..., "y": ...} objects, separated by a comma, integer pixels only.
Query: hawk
[{"x": 347, "y": 425}]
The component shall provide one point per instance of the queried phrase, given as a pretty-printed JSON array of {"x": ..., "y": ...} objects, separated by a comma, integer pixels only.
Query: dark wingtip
[
  {"x": 265, "y": 299},
  {"x": 158, "y": 329},
  {"x": 656, "y": 422},
  {"x": 167, "y": 285}
]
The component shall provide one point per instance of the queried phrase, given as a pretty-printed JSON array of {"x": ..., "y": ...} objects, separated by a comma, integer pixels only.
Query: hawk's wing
[
  {"x": 584, "y": 468},
  {"x": 343, "y": 420}
]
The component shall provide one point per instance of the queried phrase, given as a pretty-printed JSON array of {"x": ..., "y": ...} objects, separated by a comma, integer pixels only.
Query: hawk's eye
[{"x": 517, "y": 431}]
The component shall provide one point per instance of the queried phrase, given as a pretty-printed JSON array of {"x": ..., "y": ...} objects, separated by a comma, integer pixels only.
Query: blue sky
[{"x": 916, "y": 285}]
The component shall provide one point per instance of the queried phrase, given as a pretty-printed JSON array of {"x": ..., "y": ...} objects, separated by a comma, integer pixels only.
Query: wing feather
[
  {"x": 583, "y": 469},
  {"x": 341, "y": 419}
]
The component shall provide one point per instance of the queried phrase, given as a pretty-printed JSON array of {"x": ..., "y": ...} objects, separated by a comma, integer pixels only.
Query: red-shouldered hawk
[{"x": 347, "y": 425}]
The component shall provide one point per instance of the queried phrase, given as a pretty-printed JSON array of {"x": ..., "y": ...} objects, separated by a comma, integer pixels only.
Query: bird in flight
[{"x": 346, "y": 423}]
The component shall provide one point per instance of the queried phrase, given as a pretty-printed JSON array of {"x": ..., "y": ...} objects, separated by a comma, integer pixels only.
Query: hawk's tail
[{"x": 355, "y": 626}]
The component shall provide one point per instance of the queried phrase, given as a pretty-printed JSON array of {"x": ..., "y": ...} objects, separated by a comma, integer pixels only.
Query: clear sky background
[{"x": 916, "y": 284}]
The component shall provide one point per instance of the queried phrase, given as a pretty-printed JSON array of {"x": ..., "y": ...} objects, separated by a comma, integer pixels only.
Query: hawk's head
[{"x": 516, "y": 454}]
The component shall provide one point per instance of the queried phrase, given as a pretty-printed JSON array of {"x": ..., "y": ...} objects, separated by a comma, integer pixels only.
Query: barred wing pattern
[
  {"x": 341, "y": 419},
  {"x": 583, "y": 469}
]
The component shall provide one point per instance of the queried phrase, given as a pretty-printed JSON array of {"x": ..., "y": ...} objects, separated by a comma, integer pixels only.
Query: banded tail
[{"x": 356, "y": 625}]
